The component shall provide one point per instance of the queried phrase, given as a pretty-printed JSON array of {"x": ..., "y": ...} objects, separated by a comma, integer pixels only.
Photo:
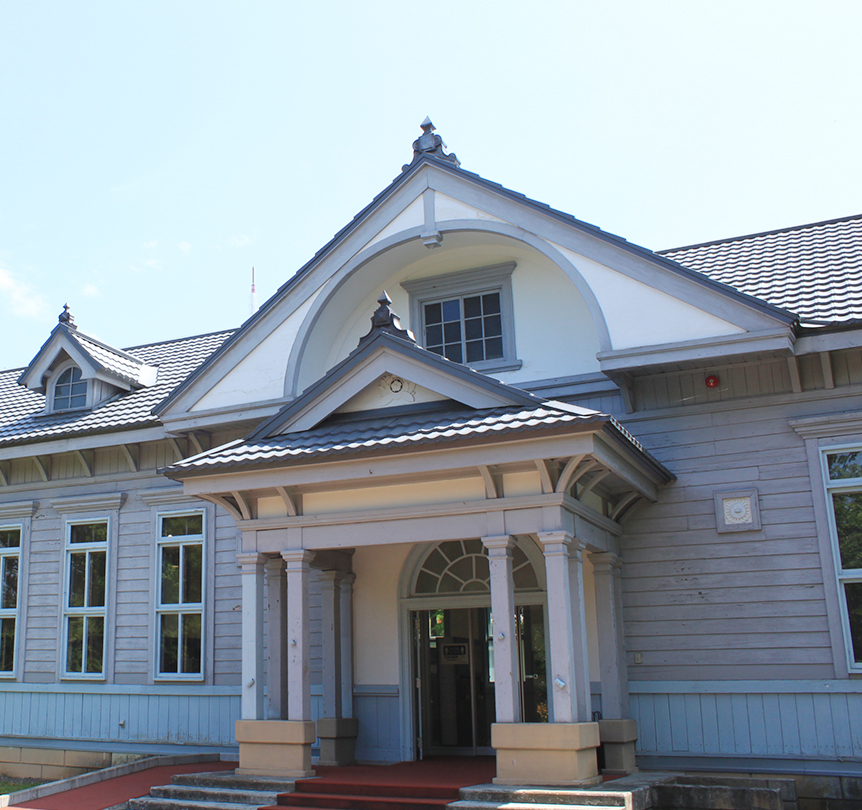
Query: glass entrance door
[{"x": 454, "y": 672}]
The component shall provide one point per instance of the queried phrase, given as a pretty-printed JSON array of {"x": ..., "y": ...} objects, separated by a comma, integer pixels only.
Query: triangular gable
[
  {"x": 386, "y": 352},
  {"x": 407, "y": 206},
  {"x": 96, "y": 360}
]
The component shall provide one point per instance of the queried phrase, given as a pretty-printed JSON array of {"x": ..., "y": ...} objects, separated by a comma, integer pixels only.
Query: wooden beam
[
  {"x": 568, "y": 472},
  {"x": 289, "y": 501},
  {"x": 82, "y": 459},
  {"x": 43, "y": 467},
  {"x": 795, "y": 379},
  {"x": 224, "y": 503},
  {"x": 826, "y": 365},
  {"x": 195, "y": 442},
  {"x": 626, "y": 501},
  {"x": 595, "y": 480},
  {"x": 176, "y": 446},
  {"x": 243, "y": 504},
  {"x": 491, "y": 490},
  {"x": 590, "y": 465},
  {"x": 4, "y": 476},
  {"x": 545, "y": 476},
  {"x": 126, "y": 453}
]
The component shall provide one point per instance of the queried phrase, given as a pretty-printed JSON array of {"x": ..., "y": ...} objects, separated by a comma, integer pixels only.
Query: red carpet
[{"x": 427, "y": 785}]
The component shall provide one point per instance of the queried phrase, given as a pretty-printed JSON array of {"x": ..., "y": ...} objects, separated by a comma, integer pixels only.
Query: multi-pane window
[
  {"x": 10, "y": 550},
  {"x": 180, "y": 595},
  {"x": 70, "y": 391},
  {"x": 86, "y": 590},
  {"x": 466, "y": 329},
  {"x": 844, "y": 490}
]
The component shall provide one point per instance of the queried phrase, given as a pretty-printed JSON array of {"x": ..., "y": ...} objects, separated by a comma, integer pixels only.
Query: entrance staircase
[{"x": 222, "y": 790}]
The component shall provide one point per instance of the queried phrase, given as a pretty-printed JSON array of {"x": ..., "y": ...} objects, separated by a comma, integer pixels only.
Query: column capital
[
  {"x": 329, "y": 576},
  {"x": 605, "y": 562},
  {"x": 250, "y": 561},
  {"x": 297, "y": 557},
  {"x": 274, "y": 566},
  {"x": 500, "y": 542}
]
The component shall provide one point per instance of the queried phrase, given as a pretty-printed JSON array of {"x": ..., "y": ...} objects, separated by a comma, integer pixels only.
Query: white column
[
  {"x": 506, "y": 678},
  {"x": 625, "y": 710},
  {"x": 251, "y": 576},
  {"x": 276, "y": 640},
  {"x": 608, "y": 620},
  {"x": 298, "y": 563},
  {"x": 568, "y": 681},
  {"x": 331, "y": 626},
  {"x": 347, "y": 644}
]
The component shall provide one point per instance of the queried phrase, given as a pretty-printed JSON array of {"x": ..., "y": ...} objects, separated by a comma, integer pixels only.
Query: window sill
[
  {"x": 490, "y": 366},
  {"x": 171, "y": 678}
]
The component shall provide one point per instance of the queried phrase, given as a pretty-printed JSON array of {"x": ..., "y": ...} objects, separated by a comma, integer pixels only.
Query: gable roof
[
  {"x": 426, "y": 160},
  {"x": 814, "y": 270},
  {"x": 22, "y": 417},
  {"x": 386, "y": 337}
]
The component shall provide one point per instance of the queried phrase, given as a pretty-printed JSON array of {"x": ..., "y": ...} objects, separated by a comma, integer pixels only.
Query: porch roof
[{"x": 399, "y": 432}]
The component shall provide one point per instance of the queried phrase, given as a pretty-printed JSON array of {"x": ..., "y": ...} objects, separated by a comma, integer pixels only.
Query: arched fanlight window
[
  {"x": 461, "y": 566},
  {"x": 70, "y": 391}
]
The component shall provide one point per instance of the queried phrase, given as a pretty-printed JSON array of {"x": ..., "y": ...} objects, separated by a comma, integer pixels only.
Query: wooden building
[{"x": 479, "y": 477}]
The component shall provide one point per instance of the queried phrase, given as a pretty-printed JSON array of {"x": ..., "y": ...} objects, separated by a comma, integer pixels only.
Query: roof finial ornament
[
  {"x": 429, "y": 143},
  {"x": 385, "y": 320},
  {"x": 66, "y": 317}
]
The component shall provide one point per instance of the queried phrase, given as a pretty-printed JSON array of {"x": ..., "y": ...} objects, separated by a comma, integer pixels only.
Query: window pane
[
  {"x": 434, "y": 336},
  {"x": 191, "y": 662},
  {"x": 9, "y": 583},
  {"x": 7, "y": 644},
  {"x": 475, "y": 351},
  {"x": 10, "y": 538},
  {"x": 95, "y": 643},
  {"x": 96, "y": 590},
  {"x": 853, "y": 591},
  {"x": 433, "y": 313},
  {"x": 169, "y": 643},
  {"x": 453, "y": 353},
  {"x": 170, "y": 575},
  {"x": 88, "y": 533},
  {"x": 77, "y": 579},
  {"x": 473, "y": 306},
  {"x": 75, "y": 644},
  {"x": 491, "y": 303},
  {"x": 181, "y": 525},
  {"x": 493, "y": 326},
  {"x": 493, "y": 348},
  {"x": 473, "y": 329},
  {"x": 452, "y": 310},
  {"x": 452, "y": 332},
  {"x": 844, "y": 465},
  {"x": 192, "y": 573},
  {"x": 848, "y": 522}
]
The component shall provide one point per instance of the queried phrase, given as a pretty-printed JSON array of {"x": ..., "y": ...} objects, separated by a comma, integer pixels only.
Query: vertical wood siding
[{"x": 801, "y": 719}]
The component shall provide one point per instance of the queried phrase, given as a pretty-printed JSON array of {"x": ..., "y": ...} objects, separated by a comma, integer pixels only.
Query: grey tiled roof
[
  {"x": 22, "y": 420},
  {"x": 113, "y": 360},
  {"x": 390, "y": 433},
  {"x": 812, "y": 270}
]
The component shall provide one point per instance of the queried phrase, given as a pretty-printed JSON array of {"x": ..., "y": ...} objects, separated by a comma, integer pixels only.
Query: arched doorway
[{"x": 447, "y": 605}]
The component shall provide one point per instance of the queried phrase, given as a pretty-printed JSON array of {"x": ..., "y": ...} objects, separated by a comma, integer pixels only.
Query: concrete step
[
  {"x": 228, "y": 779},
  {"x": 484, "y": 797},
  {"x": 152, "y": 803},
  {"x": 532, "y": 806},
  {"x": 211, "y": 794}
]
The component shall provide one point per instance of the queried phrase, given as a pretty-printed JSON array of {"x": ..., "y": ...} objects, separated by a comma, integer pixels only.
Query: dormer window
[
  {"x": 467, "y": 317},
  {"x": 70, "y": 391}
]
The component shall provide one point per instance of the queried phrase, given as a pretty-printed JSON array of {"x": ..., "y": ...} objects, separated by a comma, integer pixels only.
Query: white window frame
[
  {"x": 15, "y": 612},
  {"x": 86, "y": 612},
  {"x": 483, "y": 280},
  {"x": 180, "y": 608},
  {"x": 55, "y": 376},
  {"x": 842, "y": 576}
]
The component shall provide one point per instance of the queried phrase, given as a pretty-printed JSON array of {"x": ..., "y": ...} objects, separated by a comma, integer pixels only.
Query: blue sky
[{"x": 153, "y": 152}]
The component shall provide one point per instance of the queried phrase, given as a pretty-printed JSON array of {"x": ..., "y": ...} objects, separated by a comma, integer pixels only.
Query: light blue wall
[{"x": 796, "y": 720}]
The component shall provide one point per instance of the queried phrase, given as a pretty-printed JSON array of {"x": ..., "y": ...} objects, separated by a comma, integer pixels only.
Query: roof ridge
[{"x": 788, "y": 229}]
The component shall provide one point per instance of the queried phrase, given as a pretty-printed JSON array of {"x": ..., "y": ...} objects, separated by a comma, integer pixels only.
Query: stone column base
[
  {"x": 337, "y": 740},
  {"x": 275, "y": 748},
  {"x": 618, "y": 742},
  {"x": 546, "y": 753}
]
